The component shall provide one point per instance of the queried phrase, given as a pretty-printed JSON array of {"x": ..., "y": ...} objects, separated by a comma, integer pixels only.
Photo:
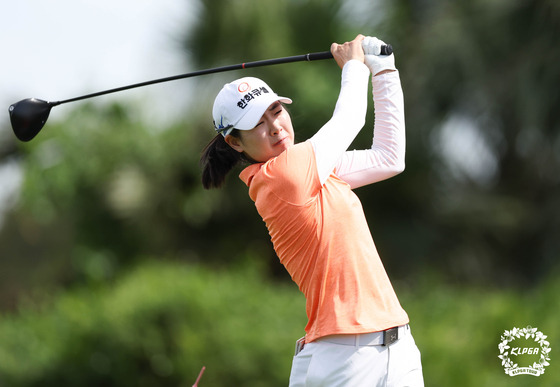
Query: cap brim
[{"x": 256, "y": 110}]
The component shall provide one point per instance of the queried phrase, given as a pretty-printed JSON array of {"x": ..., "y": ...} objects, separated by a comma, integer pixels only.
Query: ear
[{"x": 234, "y": 142}]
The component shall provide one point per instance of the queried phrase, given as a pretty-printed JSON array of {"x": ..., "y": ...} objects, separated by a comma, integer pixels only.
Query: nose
[{"x": 275, "y": 128}]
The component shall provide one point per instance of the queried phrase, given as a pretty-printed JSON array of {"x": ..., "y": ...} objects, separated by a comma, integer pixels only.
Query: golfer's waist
[{"x": 368, "y": 339}]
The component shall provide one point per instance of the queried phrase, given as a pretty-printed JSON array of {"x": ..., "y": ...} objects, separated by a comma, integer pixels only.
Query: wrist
[
  {"x": 384, "y": 72},
  {"x": 355, "y": 69}
]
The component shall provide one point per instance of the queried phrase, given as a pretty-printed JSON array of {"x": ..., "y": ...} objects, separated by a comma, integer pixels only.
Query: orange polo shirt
[{"x": 322, "y": 238}]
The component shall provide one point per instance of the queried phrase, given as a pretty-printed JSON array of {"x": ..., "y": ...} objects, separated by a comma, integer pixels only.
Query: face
[{"x": 272, "y": 135}]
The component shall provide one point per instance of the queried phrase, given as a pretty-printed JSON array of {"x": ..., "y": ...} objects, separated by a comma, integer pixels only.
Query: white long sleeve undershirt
[{"x": 386, "y": 156}]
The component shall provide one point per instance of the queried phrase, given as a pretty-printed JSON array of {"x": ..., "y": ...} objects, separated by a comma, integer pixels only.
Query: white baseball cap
[{"x": 241, "y": 104}]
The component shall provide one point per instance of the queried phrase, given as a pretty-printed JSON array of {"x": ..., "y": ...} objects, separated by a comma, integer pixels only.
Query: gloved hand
[{"x": 374, "y": 61}]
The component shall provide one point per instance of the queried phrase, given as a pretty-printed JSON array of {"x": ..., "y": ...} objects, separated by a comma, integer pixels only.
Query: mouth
[{"x": 281, "y": 141}]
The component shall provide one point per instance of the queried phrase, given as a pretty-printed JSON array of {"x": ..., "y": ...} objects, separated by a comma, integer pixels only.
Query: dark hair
[{"x": 217, "y": 159}]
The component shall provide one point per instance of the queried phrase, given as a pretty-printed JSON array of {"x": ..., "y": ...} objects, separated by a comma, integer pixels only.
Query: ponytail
[{"x": 217, "y": 159}]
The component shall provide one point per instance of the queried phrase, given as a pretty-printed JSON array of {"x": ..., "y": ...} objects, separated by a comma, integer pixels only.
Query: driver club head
[{"x": 28, "y": 117}]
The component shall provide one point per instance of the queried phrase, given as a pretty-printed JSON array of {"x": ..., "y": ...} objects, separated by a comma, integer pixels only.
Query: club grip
[{"x": 386, "y": 49}]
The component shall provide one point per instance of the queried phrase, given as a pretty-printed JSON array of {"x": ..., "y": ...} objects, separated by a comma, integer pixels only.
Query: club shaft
[
  {"x": 385, "y": 50},
  {"x": 240, "y": 66}
]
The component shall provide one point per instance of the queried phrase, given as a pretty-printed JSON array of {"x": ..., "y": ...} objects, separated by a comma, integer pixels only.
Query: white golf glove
[{"x": 373, "y": 58}]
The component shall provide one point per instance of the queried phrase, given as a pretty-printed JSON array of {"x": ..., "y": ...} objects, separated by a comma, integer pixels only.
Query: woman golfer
[{"x": 357, "y": 332}]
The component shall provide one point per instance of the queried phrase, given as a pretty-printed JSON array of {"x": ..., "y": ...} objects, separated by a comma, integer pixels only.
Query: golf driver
[{"x": 28, "y": 116}]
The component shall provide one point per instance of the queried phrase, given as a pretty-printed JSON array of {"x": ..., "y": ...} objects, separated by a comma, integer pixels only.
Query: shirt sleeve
[
  {"x": 334, "y": 138},
  {"x": 386, "y": 157}
]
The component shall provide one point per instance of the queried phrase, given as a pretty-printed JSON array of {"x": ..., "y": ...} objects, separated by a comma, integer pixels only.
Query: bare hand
[{"x": 343, "y": 53}]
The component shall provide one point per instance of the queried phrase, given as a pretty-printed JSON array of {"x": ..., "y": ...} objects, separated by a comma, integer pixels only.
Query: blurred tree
[
  {"x": 480, "y": 80},
  {"x": 479, "y": 198},
  {"x": 101, "y": 197}
]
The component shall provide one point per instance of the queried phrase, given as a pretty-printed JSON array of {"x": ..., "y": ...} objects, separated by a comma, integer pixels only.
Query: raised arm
[
  {"x": 334, "y": 138},
  {"x": 386, "y": 156}
]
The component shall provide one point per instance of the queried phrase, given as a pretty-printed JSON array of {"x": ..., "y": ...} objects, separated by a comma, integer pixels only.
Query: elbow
[
  {"x": 399, "y": 168},
  {"x": 396, "y": 158},
  {"x": 400, "y": 163},
  {"x": 396, "y": 165}
]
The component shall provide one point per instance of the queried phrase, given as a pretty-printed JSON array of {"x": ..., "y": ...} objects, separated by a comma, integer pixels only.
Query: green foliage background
[
  {"x": 160, "y": 322},
  {"x": 117, "y": 268}
]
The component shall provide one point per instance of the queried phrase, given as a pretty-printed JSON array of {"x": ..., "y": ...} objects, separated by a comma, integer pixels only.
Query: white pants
[{"x": 322, "y": 363}]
